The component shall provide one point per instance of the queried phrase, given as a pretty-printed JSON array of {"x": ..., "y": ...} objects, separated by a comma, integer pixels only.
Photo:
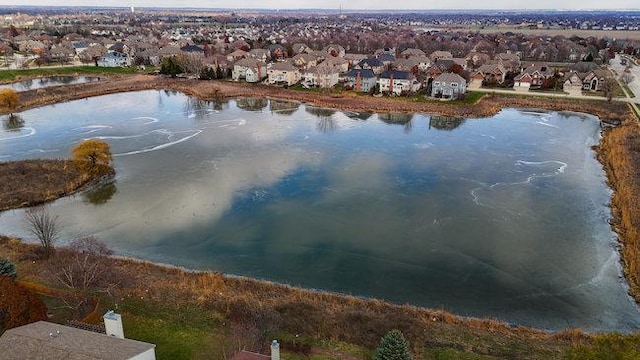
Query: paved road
[{"x": 634, "y": 85}]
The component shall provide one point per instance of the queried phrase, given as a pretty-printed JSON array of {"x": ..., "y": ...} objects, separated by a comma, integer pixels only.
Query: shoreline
[
  {"x": 309, "y": 313},
  {"x": 609, "y": 150},
  {"x": 488, "y": 104}
]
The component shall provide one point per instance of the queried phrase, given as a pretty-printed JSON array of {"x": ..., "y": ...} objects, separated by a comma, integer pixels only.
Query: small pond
[{"x": 504, "y": 216}]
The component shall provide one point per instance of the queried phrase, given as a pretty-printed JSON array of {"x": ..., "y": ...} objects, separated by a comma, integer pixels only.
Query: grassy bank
[
  {"x": 32, "y": 182},
  {"x": 209, "y": 315}
]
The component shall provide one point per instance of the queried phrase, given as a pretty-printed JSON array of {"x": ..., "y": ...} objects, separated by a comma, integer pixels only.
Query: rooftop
[{"x": 48, "y": 341}]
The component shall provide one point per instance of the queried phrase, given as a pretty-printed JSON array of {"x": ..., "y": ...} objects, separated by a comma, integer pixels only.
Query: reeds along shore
[
  {"x": 280, "y": 309},
  {"x": 619, "y": 152}
]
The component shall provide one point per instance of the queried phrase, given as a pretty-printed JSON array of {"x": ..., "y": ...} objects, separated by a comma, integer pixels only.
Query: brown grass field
[{"x": 618, "y": 34}]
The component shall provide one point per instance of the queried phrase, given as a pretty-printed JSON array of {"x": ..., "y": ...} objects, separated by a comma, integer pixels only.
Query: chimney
[
  {"x": 113, "y": 324},
  {"x": 275, "y": 350},
  {"x": 391, "y": 84},
  {"x": 358, "y": 81}
]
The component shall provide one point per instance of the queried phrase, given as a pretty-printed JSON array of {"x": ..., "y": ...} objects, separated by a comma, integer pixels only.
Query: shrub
[
  {"x": 7, "y": 268},
  {"x": 393, "y": 346}
]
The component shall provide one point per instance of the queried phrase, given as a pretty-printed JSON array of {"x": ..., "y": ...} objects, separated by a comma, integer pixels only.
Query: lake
[
  {"x": 504, "y": 217},
  {"x": 43, "y": 82}
]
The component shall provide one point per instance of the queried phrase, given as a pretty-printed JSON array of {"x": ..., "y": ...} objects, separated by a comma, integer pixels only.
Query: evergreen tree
[
  {"x": 393, "y": 346},
  {"x": 7, "y": 268}
]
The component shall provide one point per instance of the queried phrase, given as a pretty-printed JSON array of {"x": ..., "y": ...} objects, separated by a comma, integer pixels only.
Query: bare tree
[
  {"x": 86, "y": 265},
  {"x": 626, "y": 78},
  {"x": 608, "y": 87},
  {"x": 44, "y": 226}
]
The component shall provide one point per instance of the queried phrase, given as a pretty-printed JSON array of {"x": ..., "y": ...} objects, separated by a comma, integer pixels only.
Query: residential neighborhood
[{"x": 315, "y": 51}]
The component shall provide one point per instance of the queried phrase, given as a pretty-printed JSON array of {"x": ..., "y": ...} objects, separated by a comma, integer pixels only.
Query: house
[
  {"x": 318, "y": 54},
  {"x": 325, "y": 75},
  {"x": 79, "y": 46},
  {"x": 354, "y": 58},
  {"x": 237, "y": 55},
  {"x": 260, "y": 54},
  {"x": 43, "y": 340},
  {"x": 411, "y": 52},
  {"x": 114, "y": 59},
  {"x": 511, "y": 62},
  {"x": 385, "y": 50},
  {"x": 62, "y": 53},
  {"x": 278, "y": 52},
  {"x": 283, "y": 73},
  {"x": 192, "y": 49},
  {"x": 249, "y": 70},
  {"x": 593, "y": 80},
  {"x": 334, "y": 50},
  {"x": 490, "y": 74},
  {"x": 119, "y": 47},
  {"x": 340, "y": 63},
  {"x": 406, "y": 64},
  {"x": 169, "y": 51},
  {"x": 386, "y": 59},
  {"x": 370, "y": 63},
  {"x": 299, "y": 48},
  {"x": 440, "y": 55},
  {"x": 477, "y": 59},
  {"x": 572, "y": 83},
  {"x": 532, "y": 77},
  {"x": 398, "y": 82},
  {"x": 449, "y": 86},
  {"x": 304, "y": 61},
  {"x": 360, "y": 80},
  {"x": 439, "y": 67}
]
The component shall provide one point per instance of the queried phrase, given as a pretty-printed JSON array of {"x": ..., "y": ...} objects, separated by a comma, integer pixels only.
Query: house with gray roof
[
  {"x": 398, "y": 82},
  {"x": 43, "y": 340},
  {"x": 363, "y": 80},
  {"x": 448, "y": 86},
  {"x": 371, "y": 63}
]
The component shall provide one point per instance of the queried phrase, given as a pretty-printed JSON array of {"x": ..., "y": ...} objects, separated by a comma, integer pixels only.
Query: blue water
[{"x": 504, "y": 216}]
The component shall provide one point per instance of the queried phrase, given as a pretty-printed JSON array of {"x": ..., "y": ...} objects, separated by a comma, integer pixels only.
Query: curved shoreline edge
[{"x": 616, "y": 151}]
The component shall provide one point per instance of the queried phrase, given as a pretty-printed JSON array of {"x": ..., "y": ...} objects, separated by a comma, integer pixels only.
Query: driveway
[{"x": 634, "y": 85}]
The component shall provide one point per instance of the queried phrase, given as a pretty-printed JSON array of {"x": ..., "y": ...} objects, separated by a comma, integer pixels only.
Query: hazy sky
[{"x": 347, "y": 4}]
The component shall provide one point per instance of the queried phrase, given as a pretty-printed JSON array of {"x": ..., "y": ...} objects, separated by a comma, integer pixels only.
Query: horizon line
[{"x": 340, "y": 9}]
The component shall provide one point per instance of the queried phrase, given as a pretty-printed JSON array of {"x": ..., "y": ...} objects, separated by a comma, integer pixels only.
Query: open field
[{"x": 618, "y": 34}]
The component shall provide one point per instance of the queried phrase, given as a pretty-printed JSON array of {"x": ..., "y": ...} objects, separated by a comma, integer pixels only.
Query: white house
[
  {"x": 398, "y": 82},
  {"x": 448, "y": 86},
  {"x": 114, "y": 59},
  {"x": 324, "y": 75},
  {"x": 283, "y": 73},
  {"x": 249, "y": 70},
  {"x": 43, "y": 340}
]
